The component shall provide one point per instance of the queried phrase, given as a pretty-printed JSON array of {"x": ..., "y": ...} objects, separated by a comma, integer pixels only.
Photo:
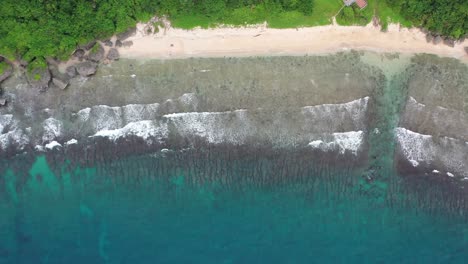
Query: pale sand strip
[{"x": 262, "y": 41}]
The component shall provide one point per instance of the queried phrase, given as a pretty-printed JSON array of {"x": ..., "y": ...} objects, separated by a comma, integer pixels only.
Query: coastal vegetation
[
  {"x": 36, "y": 30},
  {"x": 445, "y": 17}
]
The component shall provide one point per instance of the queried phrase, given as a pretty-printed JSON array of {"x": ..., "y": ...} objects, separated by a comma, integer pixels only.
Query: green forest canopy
[{"x": 37, "y": 29}]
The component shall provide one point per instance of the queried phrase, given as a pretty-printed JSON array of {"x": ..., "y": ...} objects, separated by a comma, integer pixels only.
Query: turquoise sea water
[{"x": 195, "y": 207}]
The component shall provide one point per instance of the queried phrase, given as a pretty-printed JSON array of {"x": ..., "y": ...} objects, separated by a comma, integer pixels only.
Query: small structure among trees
[{"x": 360, "y": 3}]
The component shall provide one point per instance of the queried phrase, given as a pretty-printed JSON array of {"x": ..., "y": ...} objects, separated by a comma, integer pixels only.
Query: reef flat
[{"x": 317, "y": 145}]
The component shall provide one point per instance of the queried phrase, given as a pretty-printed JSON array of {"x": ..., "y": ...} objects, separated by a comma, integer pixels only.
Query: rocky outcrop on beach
[
  {"x": 127, "y": 34},
  {"x": 86, "y": 68},
  {"x": 96, "y": 54},
  {"x": 113, "y": 54},
  {"x": 39, "y": 78}
]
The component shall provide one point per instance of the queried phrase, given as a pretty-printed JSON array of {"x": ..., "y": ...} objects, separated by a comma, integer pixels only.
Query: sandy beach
[{"x": 171, "y": 43}]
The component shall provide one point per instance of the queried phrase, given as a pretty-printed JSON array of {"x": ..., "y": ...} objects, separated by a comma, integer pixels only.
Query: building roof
[{"x": 361, "y": 3}]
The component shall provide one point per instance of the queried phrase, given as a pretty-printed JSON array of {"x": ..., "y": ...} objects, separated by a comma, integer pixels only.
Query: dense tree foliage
[
  {"x": 47, "y": 28},
  {"x": 446, "y": 17},
  {"x": 53, "y": 28}
]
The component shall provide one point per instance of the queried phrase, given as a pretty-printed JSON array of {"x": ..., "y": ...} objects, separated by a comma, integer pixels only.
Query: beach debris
[
  {"x": 86, "y": 68},
  {"x": 113, "y": 54},
  {"x": 133, "y": 75},
  {"x": 97, "y": 53},
  {"x": 3, "y": 101},
  {"x": 59, "y": 83},
  {"x": 258, "y": 35}
]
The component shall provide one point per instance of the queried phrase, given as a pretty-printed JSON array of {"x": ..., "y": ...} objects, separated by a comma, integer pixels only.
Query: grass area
[{"x": 322, "y": 14}]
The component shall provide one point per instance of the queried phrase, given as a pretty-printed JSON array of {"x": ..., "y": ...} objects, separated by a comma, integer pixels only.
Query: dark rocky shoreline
[{"x": 84, "y": 62}]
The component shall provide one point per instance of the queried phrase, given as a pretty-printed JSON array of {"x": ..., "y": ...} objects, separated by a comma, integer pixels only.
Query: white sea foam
[
  {"x": 189, "y": 99},
  {"x": 414, "y": 146},
  {"x": 10, "y": 133},
  {"x": 39, "y": 148},
  {"x": 414, "y": 163},
  {"x": 448, "y": 152},
  {"x": 325, "y": 116},
  {"x": 71, "y": 142},
  {"x": 52, "y": 145},
  {"x": 5, "y": 120},
  {"x": 216, "y": 127},
  {"x": 83, "y": 114},
  {"x": 146, "y": 129},
  {"x": 52, "y": 129},
  {"x": 346, "y": 141}
]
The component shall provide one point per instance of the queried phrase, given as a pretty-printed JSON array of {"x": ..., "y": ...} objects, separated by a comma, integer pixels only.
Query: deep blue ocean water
[{"x": 155, "y": 209}]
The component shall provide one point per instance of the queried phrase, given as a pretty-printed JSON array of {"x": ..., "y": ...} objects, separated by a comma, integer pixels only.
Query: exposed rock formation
[
  {"x": 437, "y": 40},
  {"x": 127, "y": 43},
  {"x": 79, "y": 54},
  {"x": 125, "y": 35},
  {"x": 97, "y": 53},
  {"x": 449, "y": 42},
  {"x": 60, "y": 83},
  {"x": 113, "y": 54},
  {"x": 108, "y": 43},
  {"x": 71, "y": 71},
  {"x": 39, "y": 78},
  {"x": 86, "y": 68},
  {"x": 429, "y": 38}
]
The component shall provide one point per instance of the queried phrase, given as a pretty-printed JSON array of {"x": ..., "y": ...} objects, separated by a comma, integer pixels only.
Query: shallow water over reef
[
  {"x": 224, "y": 206},
  {"x": 347, "y": 158}
]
